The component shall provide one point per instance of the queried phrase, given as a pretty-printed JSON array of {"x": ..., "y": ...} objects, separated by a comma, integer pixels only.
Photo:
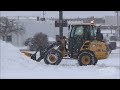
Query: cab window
[
  {"x": 93, "y": 31},
  {"x": 79, "y": 31}
]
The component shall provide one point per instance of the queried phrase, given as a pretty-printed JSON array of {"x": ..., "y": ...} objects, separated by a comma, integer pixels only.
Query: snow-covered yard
[
  {"x": 14, "y": 64},
  {"x": 118, "y": 44}
]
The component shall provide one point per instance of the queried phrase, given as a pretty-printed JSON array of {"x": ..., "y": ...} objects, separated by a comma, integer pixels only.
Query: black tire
[
  {"x": 54, "y": 53},
  {"x": 91, "y": 60},
  {"x": 95, "y": 61}
]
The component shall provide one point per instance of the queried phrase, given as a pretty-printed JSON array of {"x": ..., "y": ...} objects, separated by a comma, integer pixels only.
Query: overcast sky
[{"x": 66, "y": 14}]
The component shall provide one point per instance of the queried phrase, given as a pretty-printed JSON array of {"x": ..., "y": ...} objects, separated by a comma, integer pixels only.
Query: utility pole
[
  {"x": 43, "y": 18},
  {"x": 61, "y": 20},
  {"x": 111, "y": 28},
  {"x": 43, "y": 14},
  {"x": 60, "y": 23},
  {"x": 116, "y": 22},
  {"x": 117, "y": 18}
]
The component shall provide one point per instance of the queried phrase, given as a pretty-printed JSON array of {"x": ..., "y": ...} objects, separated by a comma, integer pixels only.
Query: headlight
[{"x": 93, "y": 45}]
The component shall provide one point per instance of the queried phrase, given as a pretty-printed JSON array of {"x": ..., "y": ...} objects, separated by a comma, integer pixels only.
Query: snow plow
[
  {"x": 27, "y": 54},
  {"x": 82, "y": 43}
]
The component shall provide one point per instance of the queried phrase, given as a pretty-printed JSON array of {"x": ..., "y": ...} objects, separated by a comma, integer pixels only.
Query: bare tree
[
  {"x": 40, "y": 39},
  {"x": 8, "y": 26}
]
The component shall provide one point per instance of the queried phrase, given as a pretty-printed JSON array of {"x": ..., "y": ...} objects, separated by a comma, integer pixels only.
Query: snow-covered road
[{"x": 15, "y": 65}]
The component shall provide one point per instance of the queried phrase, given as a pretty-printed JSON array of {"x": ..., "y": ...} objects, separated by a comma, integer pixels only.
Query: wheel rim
[
  {"x": 52, "y": 58},
  {"x": 86, "y": 60}
]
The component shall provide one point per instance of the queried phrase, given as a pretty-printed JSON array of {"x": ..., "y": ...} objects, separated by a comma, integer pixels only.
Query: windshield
[
  {"x": 83, "y": 30},
  {"x": 77, "y": 31}
]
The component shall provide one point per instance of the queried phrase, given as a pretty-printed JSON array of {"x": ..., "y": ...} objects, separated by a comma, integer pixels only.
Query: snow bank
[
  {"x": 14, "y": 65},
  {"x": 12, "y": 60}
]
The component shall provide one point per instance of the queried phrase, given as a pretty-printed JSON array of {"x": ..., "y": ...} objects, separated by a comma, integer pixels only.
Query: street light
[
  {"x": 111, "y": 27},
  {"x": 43, "y": 18}
]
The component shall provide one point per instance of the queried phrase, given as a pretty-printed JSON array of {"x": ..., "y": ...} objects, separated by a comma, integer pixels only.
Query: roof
[{"x": 80, "y": 23}]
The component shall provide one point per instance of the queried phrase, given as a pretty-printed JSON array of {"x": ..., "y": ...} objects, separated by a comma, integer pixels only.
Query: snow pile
[
  {"x": 14, "y": 65},
  {"x": 12, "y": 60}
]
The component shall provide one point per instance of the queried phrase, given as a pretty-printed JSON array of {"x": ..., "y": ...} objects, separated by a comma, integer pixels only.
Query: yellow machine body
[{"x": 99, "y": 48}]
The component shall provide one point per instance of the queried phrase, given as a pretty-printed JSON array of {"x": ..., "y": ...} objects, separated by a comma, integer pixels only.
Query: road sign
[
  {"x": 61, "y": 23},
  {"x": 42, "y": 19}
]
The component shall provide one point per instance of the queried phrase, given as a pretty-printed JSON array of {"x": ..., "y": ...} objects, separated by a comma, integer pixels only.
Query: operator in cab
[{"x": 99, "y": 35}]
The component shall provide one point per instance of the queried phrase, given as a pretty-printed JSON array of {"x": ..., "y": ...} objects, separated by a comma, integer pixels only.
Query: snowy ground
[
  {"x": 14, "y": 64},
  {"x": 118, "y": 44}
]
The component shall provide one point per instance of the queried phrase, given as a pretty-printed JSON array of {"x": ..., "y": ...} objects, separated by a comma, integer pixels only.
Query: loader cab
[
  {"x": 83, "y": 31},
  {"x": 80, "y": 33}
]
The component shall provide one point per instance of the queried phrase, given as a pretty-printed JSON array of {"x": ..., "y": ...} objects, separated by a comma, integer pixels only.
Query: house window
[{"x": 9, "y": 38}]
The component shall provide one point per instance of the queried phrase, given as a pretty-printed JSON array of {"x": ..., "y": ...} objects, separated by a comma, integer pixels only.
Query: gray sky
[{"x": 66, "y": 14}]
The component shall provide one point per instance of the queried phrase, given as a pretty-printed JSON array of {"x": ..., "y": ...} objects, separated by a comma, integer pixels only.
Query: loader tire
[
  {"x": 95, "y": 61},
  {"x": 53, "y": 57},
  {"x": 86, "y": 58}
]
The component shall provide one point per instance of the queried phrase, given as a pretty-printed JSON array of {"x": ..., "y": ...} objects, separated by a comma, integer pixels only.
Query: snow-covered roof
[{"x": 80, "y": 23}]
